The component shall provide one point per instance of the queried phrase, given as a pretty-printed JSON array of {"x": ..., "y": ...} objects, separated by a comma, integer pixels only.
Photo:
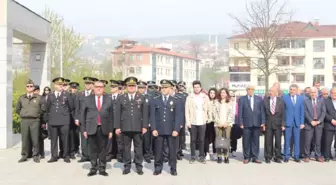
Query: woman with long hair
[
  {"x": 224, "y": 123},
  {"x": 210, "y": 133}
]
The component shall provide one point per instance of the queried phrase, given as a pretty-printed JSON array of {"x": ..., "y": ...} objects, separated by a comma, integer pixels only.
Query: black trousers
[
  {"x": 171, "y": 141},
  {"x": 84, "y": 146},
  {"x": 197, "y": 134},
  {"x": 136, "y": 137},
  {"x": 328, "y": 139},
  {"x": 165, "y": 149},
  {"x": 273, "y": 143},
  {"x": 62, "y": 132},
  {"x": 251, "y": 142},
  {"x": 210, "y": 137},
  {"x": 74, "y": 139},
  {"x": 97, "y": 144},
  {"x": 147, "y": 144},
  {"x": 234, "y": 143}
]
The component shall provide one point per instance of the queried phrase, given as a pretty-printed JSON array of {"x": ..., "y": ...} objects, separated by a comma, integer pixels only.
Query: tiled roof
[
  {"x": 298, "y": 30},
  {"x": 144, "y": 49}
]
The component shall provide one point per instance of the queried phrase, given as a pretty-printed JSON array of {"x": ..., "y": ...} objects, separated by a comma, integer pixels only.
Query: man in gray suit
[
  {"x": 97, "y": 116},
  {"x": 315, "y": 112}
]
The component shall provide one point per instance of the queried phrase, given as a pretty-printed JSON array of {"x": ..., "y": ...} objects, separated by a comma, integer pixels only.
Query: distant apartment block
[
  {"x": 148, "y": 63},
  {"x": 308, "y": 55}
]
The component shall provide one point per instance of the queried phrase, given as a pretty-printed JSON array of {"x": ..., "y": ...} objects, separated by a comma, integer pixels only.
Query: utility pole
[{"x": 61, "y": 48}]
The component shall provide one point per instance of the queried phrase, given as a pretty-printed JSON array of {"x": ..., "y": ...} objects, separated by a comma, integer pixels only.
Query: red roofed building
[
  {"x": 307, "y": 52},
  {"x": 147, "y": 63}
]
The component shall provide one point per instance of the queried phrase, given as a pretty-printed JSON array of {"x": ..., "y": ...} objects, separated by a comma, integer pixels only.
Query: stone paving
[{"x": 235, "y": 173}]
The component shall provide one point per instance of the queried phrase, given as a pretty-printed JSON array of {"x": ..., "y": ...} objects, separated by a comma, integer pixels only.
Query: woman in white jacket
[{"x": 224, "y": 122}]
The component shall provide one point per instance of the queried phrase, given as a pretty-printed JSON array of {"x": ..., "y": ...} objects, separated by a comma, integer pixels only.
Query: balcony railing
[{"x": 239, "y": 69}]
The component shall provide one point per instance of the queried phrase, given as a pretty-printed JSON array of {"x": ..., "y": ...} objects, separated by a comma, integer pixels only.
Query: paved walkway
[{"x": 236, "y": 173}]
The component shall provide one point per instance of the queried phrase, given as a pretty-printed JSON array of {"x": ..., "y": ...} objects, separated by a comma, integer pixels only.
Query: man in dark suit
[
  {"x": 251, "y": 118},
  {"x": 314, "y": 120},
  {"x": 275, "y": 124},
  {"x": 294, "y": 120},
  {"x": 88, "y": 81},
  {"x": 97, "y": 113},
  {"x": 329, "y": 124},
  {"x": 115, "y": 145},
  {"x": 165, "y": 119},
  {"x": 59, "y": 107},
  {"x": 131, "y": 119},
  {"x": 74, "y": 129}
]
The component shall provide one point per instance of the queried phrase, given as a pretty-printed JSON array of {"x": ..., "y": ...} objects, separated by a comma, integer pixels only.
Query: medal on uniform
[
  {"x": 138, "y": 102},
  {"x": 171, "y": 106}
]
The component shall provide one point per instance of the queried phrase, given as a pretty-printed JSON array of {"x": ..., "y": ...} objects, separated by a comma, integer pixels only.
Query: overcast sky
[{"x": 152, "y": 18}]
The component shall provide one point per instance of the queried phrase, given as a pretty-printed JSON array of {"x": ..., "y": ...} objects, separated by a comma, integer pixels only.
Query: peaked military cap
[
  {"x": 30, "y": 81},
  {"x": 142, "y": 84},
  {"x": 174, "y": 82},
  {"x": 36, "y": 87},
  {"x": 182, "y": 83},
  {"x": 94, "y": 79},
  {"x": 131, "y": 80},
  {"x": 121, "y": 83},
  {"x": 104, "y": 81},
  {"x": 151, "y": 83},
  {"x": 67, "y": 81},
  {"x": 114, "y": 83},
  {"x": 58, "y": 80},
  {"x": 74, "y": 84},
  {"x": 88, "y": 79},
  {"x": 166, "y": 83}
]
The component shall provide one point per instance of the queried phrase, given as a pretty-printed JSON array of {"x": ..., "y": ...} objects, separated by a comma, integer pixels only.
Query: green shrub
[{"x": 16, "y": 117}]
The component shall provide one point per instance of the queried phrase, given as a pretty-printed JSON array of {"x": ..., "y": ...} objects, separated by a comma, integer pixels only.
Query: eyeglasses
[
  {"x": 99, "y": 86},
  {"x": 29, "y": 86},
  {"x": 131, "y": 86}
]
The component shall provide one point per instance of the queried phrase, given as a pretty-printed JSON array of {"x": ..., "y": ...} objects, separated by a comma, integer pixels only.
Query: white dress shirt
[
  {"x": 101, "y": 101},
  {"x": 251, "y": 99},
  {"x": 87, "y": 92},
  {"x": 130, "y": 96}
]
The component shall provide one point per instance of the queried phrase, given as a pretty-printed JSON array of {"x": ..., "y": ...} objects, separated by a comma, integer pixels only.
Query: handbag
[{"x": 222, "y": 143}]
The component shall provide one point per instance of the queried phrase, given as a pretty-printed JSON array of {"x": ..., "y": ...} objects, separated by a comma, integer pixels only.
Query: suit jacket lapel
[{"x": 93, "y": 100}]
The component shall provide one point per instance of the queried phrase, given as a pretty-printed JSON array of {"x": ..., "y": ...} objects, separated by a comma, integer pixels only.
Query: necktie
[
  {"x": 165, "y": 100},
  {"x": 98, "y": 107},
  {"x": 314, "y": 107},
  {"x": 113, "y": 98},
  {"x": 273, "y": 106},
  {"x": 293, "y": 100},
  {"x": 132, "y": 98}
]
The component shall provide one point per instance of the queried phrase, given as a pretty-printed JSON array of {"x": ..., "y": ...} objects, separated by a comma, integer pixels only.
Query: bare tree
[{"x": 266, "y": 28}]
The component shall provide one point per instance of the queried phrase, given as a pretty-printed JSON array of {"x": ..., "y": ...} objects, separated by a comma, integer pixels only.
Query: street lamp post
[{"x": 61, "y": 48}]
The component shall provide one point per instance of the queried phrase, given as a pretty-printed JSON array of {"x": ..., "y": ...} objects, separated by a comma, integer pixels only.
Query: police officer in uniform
[
  {"x": 74, "y": 129},
  {"x": 88, "y": 84},
  {"x": 131, "y": 119},
  {"x": 165, "y": 119},
  {"x": 147, "y": 139},
  {"x": 58, "y": 113},
  {"x": 182, "y": 138},
  {"x": 115, "y": 145}
]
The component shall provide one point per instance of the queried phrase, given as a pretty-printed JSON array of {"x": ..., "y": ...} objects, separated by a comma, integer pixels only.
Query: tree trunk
[{"x": 267, "y": 83}]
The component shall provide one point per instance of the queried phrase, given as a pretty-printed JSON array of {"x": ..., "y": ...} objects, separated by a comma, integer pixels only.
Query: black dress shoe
[
  {"x": 173, "y": 173},
  {"x": 157, "y": 173},
  {"x": 226, "y": 160},
  {"x": 267, "y": 161},
  {"x": 256, "y": 161},
  {"x": 92, "y": 173},
  {"x": 42, "y": 157},
  {"x": 52, "y": 160},
  {"x": 67, "y": 160},
  {"x": 192, "y": 160},
  {"x": 22, "y": 160},
  {"x": 326, "y": 159},
  {"x": 148, "y": 161},
  {"x": 277, "y": 160},
  {"x": 36, "y": 159},
  {"x": 297, "y": 160},
  {"x": 219, "y": 160},
  {"x": 126, "y": 171},
  {"x": 82, "y": 160},
  {"x": 103, "y": 173},
  {"x": 179, "y": 157},
  {"x": 140, "y": 172},
  {"x": 72, "y": 157},
  {"x": 286, "y": 160}
]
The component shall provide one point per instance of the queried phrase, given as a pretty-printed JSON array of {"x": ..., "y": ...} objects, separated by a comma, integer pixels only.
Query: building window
[
  {"x": 319, "y": 78},
  {"x": 298, "y": 77},
  {"x": 261, "y": 81},
  {"x": 297, "y": 61},
  {"x": 318, "y": 46},
  {"x": 131, "y": 57},
  {"x": 283, "y": 61},
  {"x": 334, "y": 43},
  {"x": 236, "y": 45},
  {"x": 298, "y": 43},
  {"x": 261, "y": 62},
  {"x": 139, "y": 57},
  {"x": 138, "y": 70},
  {"x": 282, "y": 78},
  {"x": 318, "y": 63},
  {"x": 240, "y": 77},
  {"x": 283, "y": 44}
]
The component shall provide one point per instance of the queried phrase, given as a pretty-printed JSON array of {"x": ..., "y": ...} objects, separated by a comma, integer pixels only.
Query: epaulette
[
  {"x": 175, "y": 97},
  {"x": 156, "y": 97}
]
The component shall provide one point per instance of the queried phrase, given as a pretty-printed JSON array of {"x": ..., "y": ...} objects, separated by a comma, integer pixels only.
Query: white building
[
  {"x": 308, "y": 55},
  {"x": 147, "y": 63}
]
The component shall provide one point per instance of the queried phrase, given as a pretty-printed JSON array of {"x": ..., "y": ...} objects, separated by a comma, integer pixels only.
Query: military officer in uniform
[
  {"x": 121, "y": 86},
  {"x": 74, "y": 129},
  {"x": 66, "y": 86},
  {"x": 115, "y": 145},
  {"x": 88, "y": 85},
  {"x": 59, "y": 109},
  {"x": 131, "y": 119},
  {"x": 165, "y": 119},
  {"x": 182, "y": 137},
  {"x": 147, "y": 139}
]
